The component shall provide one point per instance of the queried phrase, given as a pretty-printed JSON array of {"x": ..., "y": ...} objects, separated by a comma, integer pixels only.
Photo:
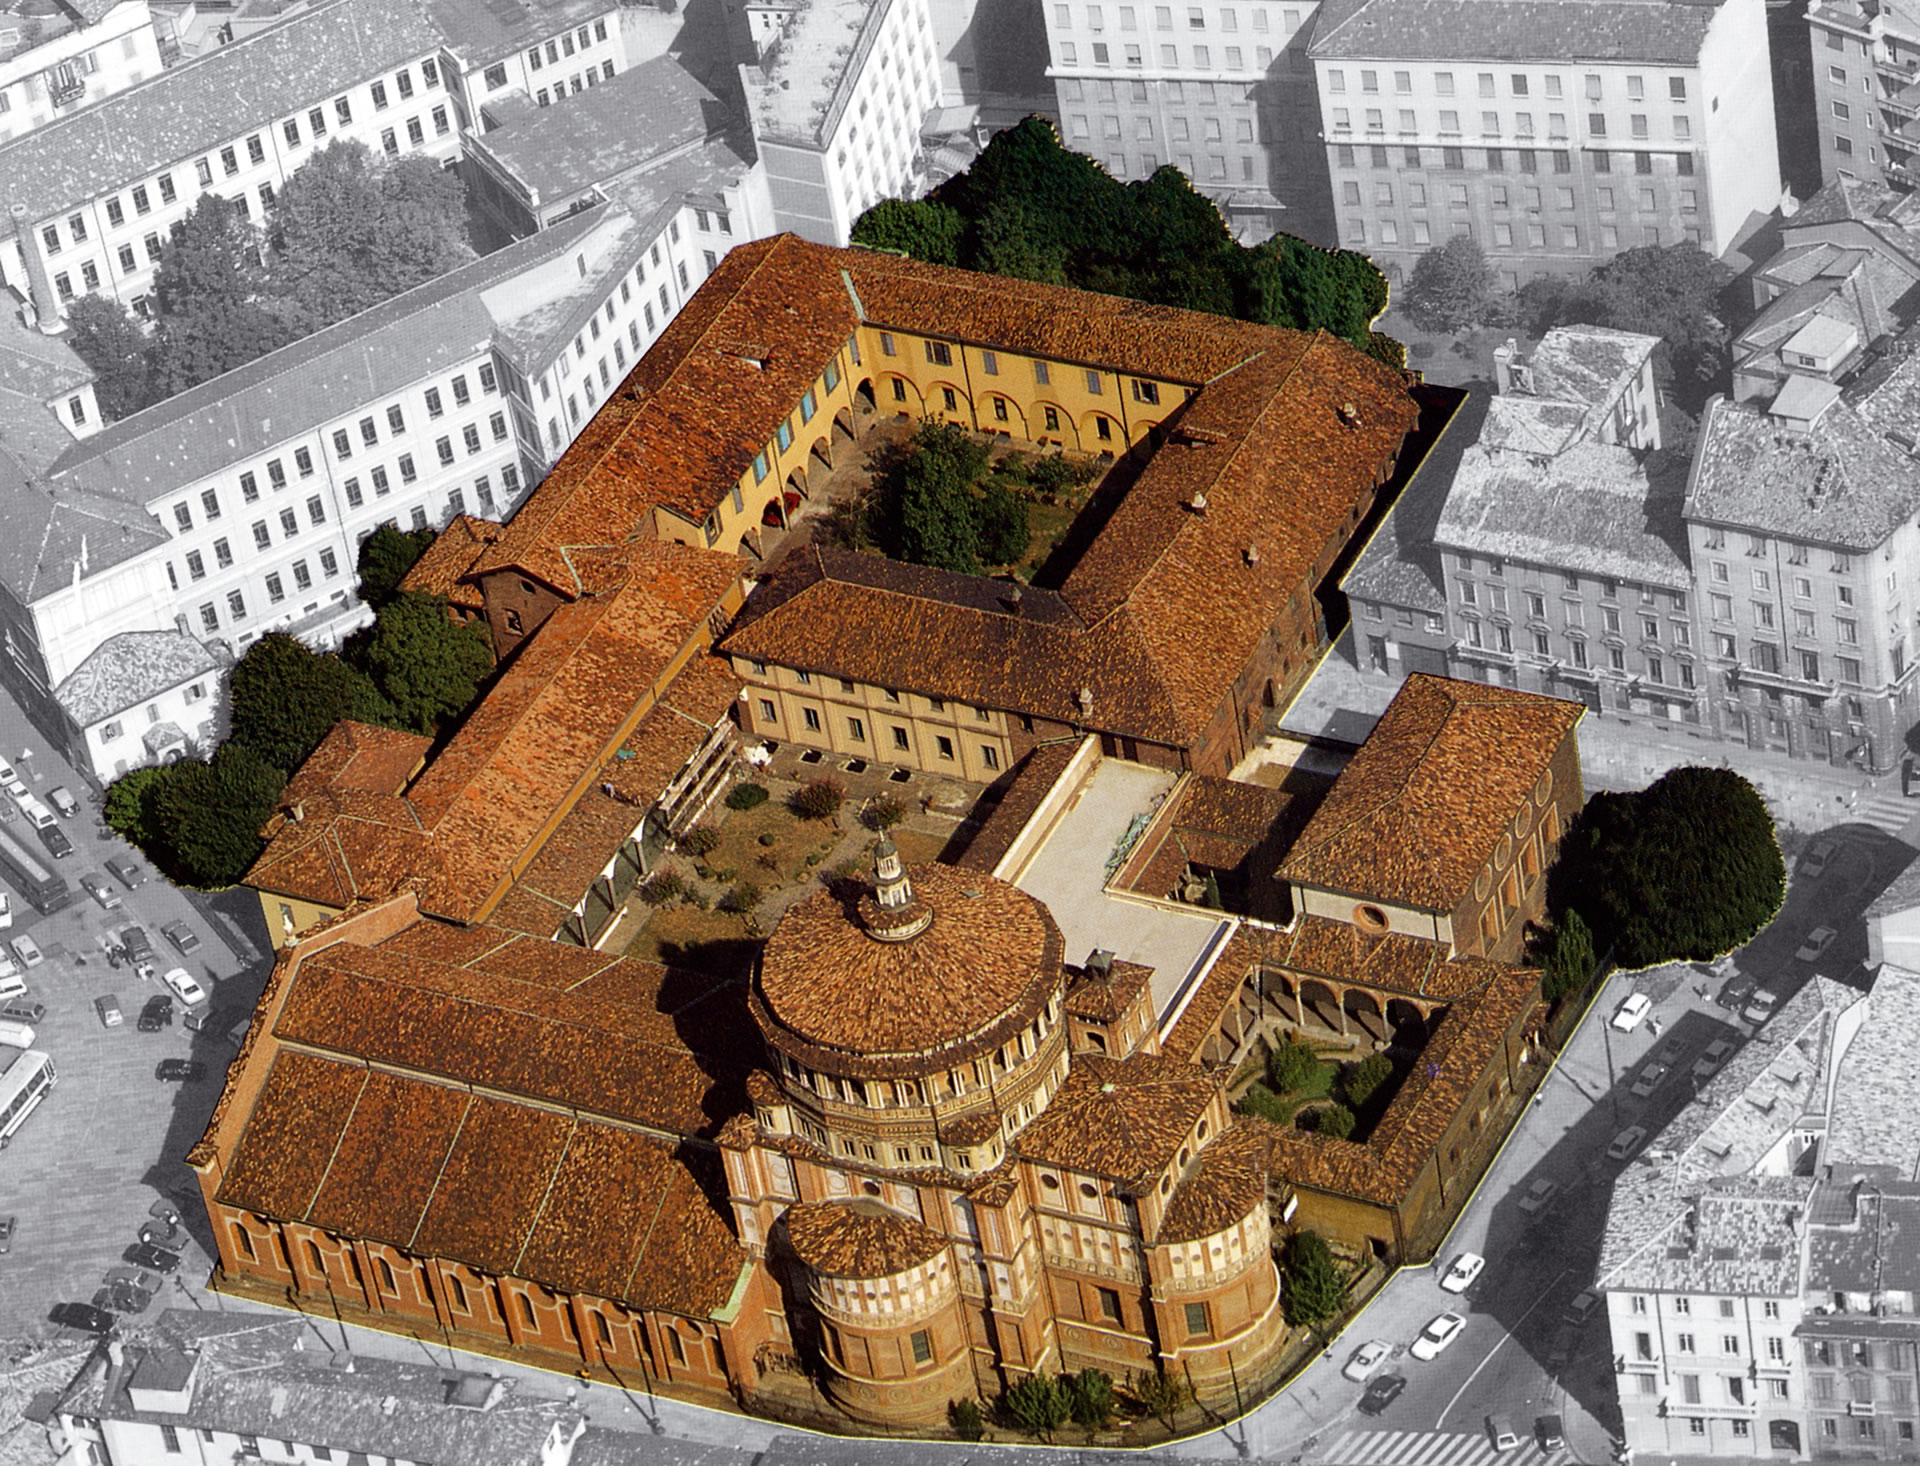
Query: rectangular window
[
  {"x": 443, "y": 447},
  {"x": 289, "y": 522},
  {"x": 342, "y": 444},
  {"x": 470, "y": 435},
  {"x": 261, "y": 539},
  {"x": 276, "y": 592},
  {"x": 1198, "y": 1324},
  {"x": 461, "y": 396}
]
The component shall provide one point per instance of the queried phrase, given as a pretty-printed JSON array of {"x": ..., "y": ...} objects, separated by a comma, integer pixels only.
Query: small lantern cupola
[{"x": 892, "y": 913}]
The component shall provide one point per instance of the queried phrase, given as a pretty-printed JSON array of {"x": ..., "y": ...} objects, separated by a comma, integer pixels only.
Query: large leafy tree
[
  {"x": 212, "y": 813},
  {"x": 939, "y": 524},
  {"x": 1316, "y": 1286},
  {"x": 1673, "y": 292},
  {"x": 920, "y": 228},
  {"x": 386, "y": 556},
  {"x": 208, "y": 292},
  {"x": 427, "y": 666},
  {"x": 286, "y": 697},
  {"x": 1451, "y": 288},
  {"x": 109, "y": 340},
  {"x": 1687, "y": 868}
]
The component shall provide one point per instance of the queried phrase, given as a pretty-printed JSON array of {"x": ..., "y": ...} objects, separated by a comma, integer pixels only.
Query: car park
[
  {"x": 108, "y": 1007},
  {"x": 183, "y": 986},
  {"x": 156, "y": 1014},
  {"x": 1708, "y": 1064},
  {"x": 1650, "y": 1078},
  {"x": 83, "y": 1316},
  {"x": 1382, "y": 1391},
  {"x": 1626, "y": 1142},
  {"x": 1459, "y": 1277},
  {"x": 1632, "y": 1012},
  {"x": 27, "y": 950},
  {"x": 153, "y": 1259},
  {"x": 1761, "y": 1008},
  {"x": 1501, "y": 1433},
  {"x": 56, "y": 841},
  {"x": 1813, "y": 863},
  {"x": 61, "y": 798},
  {"x": 184, "y": 938},
  {"x": 127, "y": 872},
  {"x": 179, "y": 1071},
  {"x": 1816, "y": 944},
  {"x": 1437, "y": 1335},
  {"x": 1366, "y": 1359},
  {"x": 1539, "y": 1194},
  {"x": 96, "y": 886},
  {"x": 1551, "y": 1433}
]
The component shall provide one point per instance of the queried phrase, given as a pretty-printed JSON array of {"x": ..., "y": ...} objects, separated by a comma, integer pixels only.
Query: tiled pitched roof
[
  {"x": 481, "y": 33},
  {"x": 854, "y": 1239},
  {"x": 210, "y": 100},
  {"x": 1558, "y": 32},
  {"x": 1883, "y": 1058},
  {"x": 129, "y": 669},
  {"x": 1101, "y": 998},
  {"x": 1021, "y": 790},
  {"x": 57, "y": 537},
  {"x": 33, "y": 363},
  {"x": 989, "y": 960},
  {"x": 441, "y": 571},
  {"x": 1229, "y": 1181},
  {"x": 1120, "y": 1119},
  {"x": 1418, "y": 810}
]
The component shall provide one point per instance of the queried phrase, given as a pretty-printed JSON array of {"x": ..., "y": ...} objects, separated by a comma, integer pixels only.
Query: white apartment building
[
  {"x": 1223, "y": 92},
  {"x": 838, "y": 102},
  {"x": 238, "y": 507},
  {"x": 90, "y": 198},
  {"x": 84, "y": 50},
  {"x": 545, "y": 50},
  {"x": 1554, "y": 136}
]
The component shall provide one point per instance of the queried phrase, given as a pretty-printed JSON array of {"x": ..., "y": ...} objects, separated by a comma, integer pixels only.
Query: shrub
[
  {"x": 1261, "y": 1101},
  {"x": 700, "y": 840},
  {"x": 766, "y": 840},
  {"x": 818, "y": 799},
  {"x": 1334, "y": 1120},
  {"x": 1054, "y": 473},
  {"x": 741, "y": 899},
  {"x": 1165, "y": 1395},
  {"x": 1363, "y": 1080},
  {"x": 883, "y": 813},
  {"x": 1315, "y": 1286},
  {"x": 1293, "y": 1067},
  {"x": 968, "y": 1420},
  {"x": 664, "y": 889},
  {"x": 746, "y": 796},
  {"x": 1090, "y": 1396},
  {"x": 1039, "y": 1405}
]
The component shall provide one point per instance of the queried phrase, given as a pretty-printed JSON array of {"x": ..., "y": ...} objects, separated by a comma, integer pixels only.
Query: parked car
[
  {"x": 1708, "y": 1064},
  {"x": 156, "y": 1015},
  {"x": 1817, "y": 942},
  {"x": 1649, "y": 1079},
  {"x": 1437, "y": 1335},
  {"x": 108, "y": 1007},
  {"x": 1366, "y": 1359},
  {"x": 83, "y": 1316},
  {"x": 1551, "y": 1432},
  {"x": 184, "y": 987},
  {"x": 1501, "y": 1433},
  {"x": 165, "y": 1211},
  {"x": 1582, "y": 1306},
  {"x": 22, "y": 1010},
  {"x": 1382, "y": 1391},
  {"x": 158, "y": 1233},
  {"x": 180, "y": 1071},
  {"x": 11, "y": 983},
  {"x": 61, "y": 798},
  {"x": 138, "y": 945},
  {"x": 122, "y": 1298},
  {"x": 1626, "y": 1142},
  {"x": 1632, "y": 1012},
  {"x": 96, "y": 886},
  {"x": 133, "y": 1278},
  {"x": 1466, "y": 1267},
  {"x": 1761, "y": 1008},
  {"x": 153, "y": 1259},
  {"x": 56, "y": 841},
  {"x": 1737, "y": 991},
  {"x": 1539, "y": 1194},
  {"x": 6, "y": 911},
  {"x": 127, "y": 872},
  {"x": 1813, "y": 863},
  {"x": 184, "y": 938},
  {"x": 27, "y": 950}
]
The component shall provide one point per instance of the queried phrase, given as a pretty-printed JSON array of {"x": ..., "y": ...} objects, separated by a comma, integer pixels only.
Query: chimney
[
  {"x": 116, "y": 1354},
  {"x": 1085, "y": 702},
  {"x": 1011, "y": 600},
  {"x": 1253, "y": 555},
  {"x": 297, "y": 813},
  {"x": 1503, "y": 359},
  {"x": 1349, "y": 414},
  {"x": 1100, "y": 963},
  {"x": 1198, "y": 503}
]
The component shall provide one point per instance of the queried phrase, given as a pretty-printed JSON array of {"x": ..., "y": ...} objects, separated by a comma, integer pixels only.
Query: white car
[
  {"x": 10, "y": 984},
  {"x": 1366, "y": 1359},
  {"x": 1761, "y": 1008},
  {"x": 6, "y": 911},
  {"x": 27, "y": 950},
  {"x": 1632, "y": 1012},
  {"x": 1817, "y": 942},
  {"x": 1466, "y": 1267},
  {"x": 1626, "y": 1142},
  {"x": 1437, "y": 1335},
  {"x": 180, "y": 982},
  {"x": 1537, "y": 1197}
]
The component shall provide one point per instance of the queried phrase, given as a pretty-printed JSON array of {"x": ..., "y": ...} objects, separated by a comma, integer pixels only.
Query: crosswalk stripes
[
  {"x": 1427, "y": 1448},
  {"x": 1885, "y": 809}
]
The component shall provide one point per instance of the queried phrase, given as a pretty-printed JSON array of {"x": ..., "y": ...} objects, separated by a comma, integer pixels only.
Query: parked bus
[
  {"x": 28, "y": 872},
  {"x": 26, "y": 1075}
]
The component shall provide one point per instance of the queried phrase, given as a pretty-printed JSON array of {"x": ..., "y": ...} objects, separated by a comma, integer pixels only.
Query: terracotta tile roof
[
  {"x": 1121, "y": 1119},
  {"x": 503, "y": 1186},
  {"x": 1229, "y": 1182},
  {"x": 1417, "y": 812},
  {"x": 1021, "y": 790},
  {"x": 698, "y": 699},
  {"x": 629, "y": 1040},
  {"x": 358, "y": 757},
  {"x": 1394, "y": 962},
  {"x": 348, "y": 846},
  {"x": 1221, "y": 988},
  {"x": 453, "y": 553},
  {"x": 854, "y": 1239},
  {"x": 1102, "y": 999},
  {"x": 988, "y": 962}
]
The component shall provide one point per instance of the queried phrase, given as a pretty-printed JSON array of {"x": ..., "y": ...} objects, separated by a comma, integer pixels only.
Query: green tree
[
  {"x": 1039, "y": 1405},
  {"x": 386, "y": 556},
  {"x": 350, "y": 230},
  {"x": 1293, "y": 1067},
  {"x": 1004, "y": 531},
  {"x": 1686, "y": 869},
  {"x": 1316, "y": 1286},
  {"x": 286, "y": 697},
  {"x": 1673, "y": 292},
  {"x": 213, "y": 812},
  {"x": 131, "y": 805},
  {"x": 1451, "y": 288},
  {"x": 1090, "y": 1395},
  {"x": 1333, "y": 1121},
  {"x": 1164, "y": 1395},
  {"x": 427, "y": 666},
  {"x": 209, "y": 293},
  {"x": 920, "y": 228},
  {"x": 939, "y": 524},
  {"x": 1570, "y": 959},
  {"x": 969, "y": 1422},
  {"x": 1363, "y": 1080},
  {"x": 109, "y": 340}
]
